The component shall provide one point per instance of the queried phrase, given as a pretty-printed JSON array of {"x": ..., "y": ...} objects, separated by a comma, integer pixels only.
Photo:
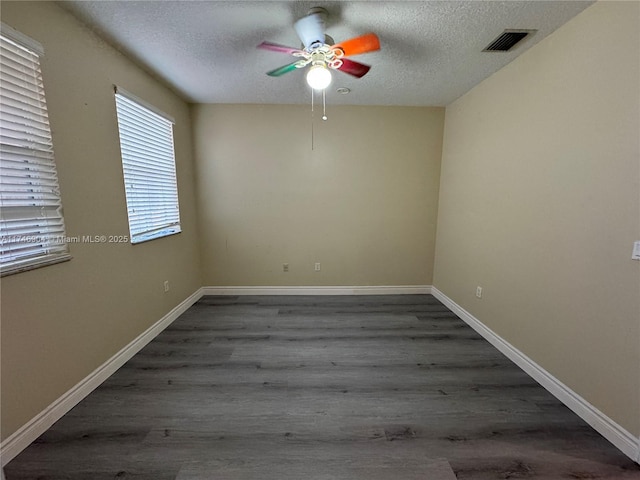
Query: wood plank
[{"x": 362, "y": 387}]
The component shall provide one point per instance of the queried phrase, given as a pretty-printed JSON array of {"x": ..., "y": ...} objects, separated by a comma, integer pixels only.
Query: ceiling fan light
[{"x": 319, "y": 77}]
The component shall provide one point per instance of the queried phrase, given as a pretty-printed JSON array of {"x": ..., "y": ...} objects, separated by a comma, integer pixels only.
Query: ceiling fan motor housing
[
  {"x": 320, "y": 17},
  {"x": 321, "y": 13}
]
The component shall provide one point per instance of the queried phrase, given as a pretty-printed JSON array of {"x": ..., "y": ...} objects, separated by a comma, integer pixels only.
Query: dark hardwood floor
[{"x": 320, "y": 388}]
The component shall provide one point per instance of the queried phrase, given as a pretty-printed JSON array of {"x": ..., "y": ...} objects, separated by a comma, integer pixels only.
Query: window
[
  {"x": 32, "y": 226},
  {"x": 148, "y": 162}
]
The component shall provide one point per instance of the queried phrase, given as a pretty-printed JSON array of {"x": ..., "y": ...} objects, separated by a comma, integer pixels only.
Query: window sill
[
  {"x": 155, "y": 236},
  {"x": 36, "y": 264}
]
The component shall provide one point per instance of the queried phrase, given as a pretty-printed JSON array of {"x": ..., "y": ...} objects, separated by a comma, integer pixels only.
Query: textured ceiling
[{"x": 431, "y": 50}]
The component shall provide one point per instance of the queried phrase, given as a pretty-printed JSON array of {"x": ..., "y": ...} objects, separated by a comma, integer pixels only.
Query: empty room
[{"x": 256, "y": 240}]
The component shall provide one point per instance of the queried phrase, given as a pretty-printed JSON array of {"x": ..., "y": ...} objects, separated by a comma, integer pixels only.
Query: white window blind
[
  {"x": 148, "y": 162},
  {"x": 31, "y": 221}
]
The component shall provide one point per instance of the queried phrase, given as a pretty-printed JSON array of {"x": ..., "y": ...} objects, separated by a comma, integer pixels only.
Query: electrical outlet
[
  {"x": 317, "y": 267},
  {"x": 479, "y": 292},
  {"x": 166, "y": 285},
  {"x": 285, "y": 267}
]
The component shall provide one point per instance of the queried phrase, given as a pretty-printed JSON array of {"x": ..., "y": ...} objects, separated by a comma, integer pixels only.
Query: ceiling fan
[{"x": 320, "y": 52}]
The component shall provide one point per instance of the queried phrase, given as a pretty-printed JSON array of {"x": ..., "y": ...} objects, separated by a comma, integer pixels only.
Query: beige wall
[
  {"x": 61, "y": 322},
  {"x": 362, "y": 201},
  {"x": 539, "y": 205}
]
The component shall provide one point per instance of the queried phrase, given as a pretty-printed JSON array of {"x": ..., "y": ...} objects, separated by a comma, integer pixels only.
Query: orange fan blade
[{"x": 368, "y": 42}]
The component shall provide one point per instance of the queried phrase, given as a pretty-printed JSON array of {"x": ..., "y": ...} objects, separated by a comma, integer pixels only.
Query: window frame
[
  {"x": 31, "y": 215},
  {"x": 161, "y": 185}
]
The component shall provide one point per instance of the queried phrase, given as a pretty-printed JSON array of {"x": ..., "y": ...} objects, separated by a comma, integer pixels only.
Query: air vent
[{"x": 507, "y": 40}]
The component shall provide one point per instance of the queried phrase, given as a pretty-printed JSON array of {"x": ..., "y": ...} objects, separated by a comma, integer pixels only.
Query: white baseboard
[
  {"x": 347, "y": 290},
  {"x": 609, "y": 429},
  {"x": 21, "y": 439}
]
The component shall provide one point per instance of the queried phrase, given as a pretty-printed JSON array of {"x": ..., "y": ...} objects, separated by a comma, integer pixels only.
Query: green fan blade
[{"x": 284, "y": 69}]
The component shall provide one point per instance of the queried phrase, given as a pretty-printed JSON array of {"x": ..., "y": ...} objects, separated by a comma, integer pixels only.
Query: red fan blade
[
  {"x": 276, "y": 47},
  {"x": 354, "y": 68},
  {"x": 368, "y": 42}
]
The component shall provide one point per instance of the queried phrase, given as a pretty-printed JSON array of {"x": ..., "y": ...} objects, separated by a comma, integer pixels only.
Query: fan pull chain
[
  {"x": 324, "y": 112},
  {"x": 324, "y": 107}
]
